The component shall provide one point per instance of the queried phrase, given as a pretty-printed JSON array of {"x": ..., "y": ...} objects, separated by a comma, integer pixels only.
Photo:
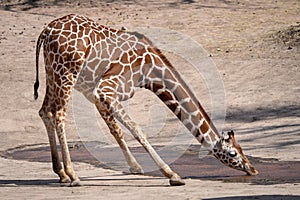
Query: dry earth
[{"x": 255, "y": 46}]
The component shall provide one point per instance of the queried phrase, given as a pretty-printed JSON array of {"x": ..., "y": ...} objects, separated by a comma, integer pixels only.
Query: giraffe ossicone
[{"x": 106, "y": 66}]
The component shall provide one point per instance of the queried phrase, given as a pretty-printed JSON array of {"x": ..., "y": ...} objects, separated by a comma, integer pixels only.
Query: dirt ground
[{"x": 255, "y": 46}]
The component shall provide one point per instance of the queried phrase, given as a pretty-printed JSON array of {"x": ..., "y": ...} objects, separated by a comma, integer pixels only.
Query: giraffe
[{"x": 107, "y": 65}]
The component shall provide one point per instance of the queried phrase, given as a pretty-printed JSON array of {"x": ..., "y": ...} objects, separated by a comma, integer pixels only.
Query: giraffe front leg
[
  {"x": 113, "y": 106},
  {"x": 174, "y": 178},
  {"x": 117, "y": 132}
]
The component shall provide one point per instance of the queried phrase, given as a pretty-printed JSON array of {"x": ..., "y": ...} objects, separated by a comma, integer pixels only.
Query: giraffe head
[{"x": 230, "y": 153}]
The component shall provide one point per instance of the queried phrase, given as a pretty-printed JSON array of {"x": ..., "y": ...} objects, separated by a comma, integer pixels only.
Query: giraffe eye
[{"x": 232, "y": 153}]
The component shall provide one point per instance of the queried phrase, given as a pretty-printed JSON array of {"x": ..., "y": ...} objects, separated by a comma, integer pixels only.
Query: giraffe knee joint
[
  {"x": 41, "y": 113},
  {"x": 96, "y": 94},
  {"x": 140, "y": 134},
  {"x": 118, "y": 133},
  {"x": 45, "y": 115}
]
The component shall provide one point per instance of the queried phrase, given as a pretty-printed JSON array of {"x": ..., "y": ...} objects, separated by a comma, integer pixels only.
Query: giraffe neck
[{"x": 168, "y": 85}]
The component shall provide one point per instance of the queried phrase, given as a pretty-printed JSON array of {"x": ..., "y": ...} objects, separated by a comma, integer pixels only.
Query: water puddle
[{"x": 188, "y": 165}]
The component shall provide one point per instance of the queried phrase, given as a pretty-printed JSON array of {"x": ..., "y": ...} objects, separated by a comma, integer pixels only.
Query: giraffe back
[{"x": 78, "y": 45}]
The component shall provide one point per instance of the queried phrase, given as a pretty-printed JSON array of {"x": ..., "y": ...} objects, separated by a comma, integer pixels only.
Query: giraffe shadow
[
  {"x": 112, "y": 181},
  {"x": 188, "y": 165},
  {"x": 31, "y": 182},
  {"x": 87, "y": 181},
  {"x": 260, "y": 197}
]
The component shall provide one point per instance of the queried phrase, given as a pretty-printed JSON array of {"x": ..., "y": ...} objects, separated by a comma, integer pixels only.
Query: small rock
[
  {"x": 11, "y": 185},
  {"x": 254, "y": 119}
]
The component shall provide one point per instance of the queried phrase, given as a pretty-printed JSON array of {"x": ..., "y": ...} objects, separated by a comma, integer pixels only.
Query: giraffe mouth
[{"x": 250, "y": 170}]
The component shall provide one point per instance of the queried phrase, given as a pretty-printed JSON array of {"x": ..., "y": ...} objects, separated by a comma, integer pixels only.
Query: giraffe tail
[{"x": 38, "y": 48}]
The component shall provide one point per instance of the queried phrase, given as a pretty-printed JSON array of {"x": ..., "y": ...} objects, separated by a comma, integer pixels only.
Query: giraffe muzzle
[{"x": 250, "y": 170}]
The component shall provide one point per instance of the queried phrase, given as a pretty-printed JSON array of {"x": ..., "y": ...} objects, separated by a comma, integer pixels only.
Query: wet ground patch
[{"x": 188, "y": 165}]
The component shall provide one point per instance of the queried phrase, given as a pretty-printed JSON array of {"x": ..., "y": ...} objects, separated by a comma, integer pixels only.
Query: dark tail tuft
[
  {"x": 38, "y": 47},
  {"x": 36, "y": 87}
]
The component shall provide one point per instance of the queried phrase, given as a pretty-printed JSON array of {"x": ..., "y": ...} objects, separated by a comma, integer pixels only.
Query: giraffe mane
[
  {"x": 178, "y": 77},
  {"x": 187, "y": 88}
]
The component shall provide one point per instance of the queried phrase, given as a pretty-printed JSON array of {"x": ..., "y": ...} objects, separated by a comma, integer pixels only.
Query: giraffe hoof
[
  {"x": 176, "y": 181},
  {"x": 65, "y": 180},
  {"x": 136, "y": 170},
  {"x": 75, "y": 183}
]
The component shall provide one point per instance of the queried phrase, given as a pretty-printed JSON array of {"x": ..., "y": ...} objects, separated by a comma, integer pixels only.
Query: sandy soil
[{"x": 255, "y": 45}]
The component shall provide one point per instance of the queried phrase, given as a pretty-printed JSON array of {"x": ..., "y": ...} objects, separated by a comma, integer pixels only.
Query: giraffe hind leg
[
  {"x": 61, "y": 134},
  {"x": 53, "y": 113},
  {"x": 48, "y": 119}
]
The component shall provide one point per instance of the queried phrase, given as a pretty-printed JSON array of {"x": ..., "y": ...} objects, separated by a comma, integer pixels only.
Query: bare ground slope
[{"x": 255, "y": 45}]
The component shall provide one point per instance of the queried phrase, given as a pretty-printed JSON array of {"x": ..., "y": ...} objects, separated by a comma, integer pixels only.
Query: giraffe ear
[
  {"x": 231, "y": 134},
  {"x": 232, "y": 139}
]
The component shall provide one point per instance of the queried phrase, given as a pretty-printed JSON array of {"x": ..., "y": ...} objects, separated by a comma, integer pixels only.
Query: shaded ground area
[
  {"x": 261, "y": 197},
  {"x": 255, "y": 46},
  {"x": 271, "y": 171},
  {"x": 289, "y": 36},
  {"x": 24, "y": 5}
]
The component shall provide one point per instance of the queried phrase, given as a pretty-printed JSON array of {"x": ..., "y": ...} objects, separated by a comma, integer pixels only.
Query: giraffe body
[{"x": 106, "y": 66}]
